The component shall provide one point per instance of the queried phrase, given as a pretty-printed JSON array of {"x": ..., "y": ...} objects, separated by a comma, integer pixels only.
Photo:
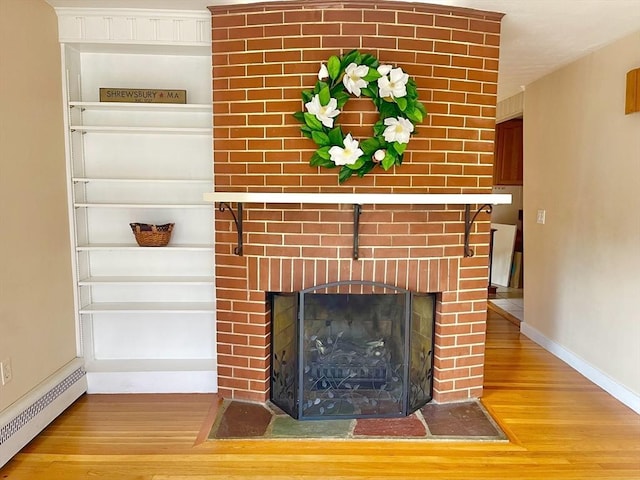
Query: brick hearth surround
[{"x": 264, "y": 55}]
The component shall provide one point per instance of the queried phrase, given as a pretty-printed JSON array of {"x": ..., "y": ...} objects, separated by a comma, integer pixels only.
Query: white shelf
[
  {"x": 142, "y": 107},
  {"x": 155, "y": 280},
  {"x": 142, "y": 205},
  {"x": 360, "y": 198},
  {"x": 151, "y": 365},
  {"x": 133, "y": 246},
  {"x": 357, "y": 199},
  {"x": 142, "y": 180},
  {"x": 149, "y": 307},
  {"x": 134, "y": 130}
]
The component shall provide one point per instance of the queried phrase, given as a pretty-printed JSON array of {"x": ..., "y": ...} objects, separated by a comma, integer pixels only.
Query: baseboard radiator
[{"x": 26, "y": 418}]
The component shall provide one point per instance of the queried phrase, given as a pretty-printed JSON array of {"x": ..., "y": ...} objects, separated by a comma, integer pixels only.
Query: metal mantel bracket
[
  {"x": 468, "y": 224},
  {"x": 357, "y": 211},
  {"x": 237, "y": 220}
]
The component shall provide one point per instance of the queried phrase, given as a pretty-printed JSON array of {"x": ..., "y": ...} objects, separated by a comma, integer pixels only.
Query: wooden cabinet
[{"x": 507, "y": 169}]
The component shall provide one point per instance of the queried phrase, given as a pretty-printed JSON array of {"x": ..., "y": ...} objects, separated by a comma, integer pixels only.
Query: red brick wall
[{"x": 264, "y": 55}]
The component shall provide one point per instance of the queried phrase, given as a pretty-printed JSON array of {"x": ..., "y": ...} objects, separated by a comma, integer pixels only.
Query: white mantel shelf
[
  {"x": 486, "y": 202},
  {"x": 361, "y": 198}
]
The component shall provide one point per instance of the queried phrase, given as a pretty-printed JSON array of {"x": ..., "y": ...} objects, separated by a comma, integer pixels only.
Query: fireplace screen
[{"x": 351, "y": 350}]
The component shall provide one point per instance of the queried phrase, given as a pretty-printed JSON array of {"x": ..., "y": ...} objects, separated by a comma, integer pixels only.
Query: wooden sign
[{"x": 142, "y": 95}]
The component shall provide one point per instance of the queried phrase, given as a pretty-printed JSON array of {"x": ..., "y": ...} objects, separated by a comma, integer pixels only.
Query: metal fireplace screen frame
[{"x": 351, "y": 350}]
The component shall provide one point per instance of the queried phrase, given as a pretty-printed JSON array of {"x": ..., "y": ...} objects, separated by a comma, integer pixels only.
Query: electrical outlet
[
  {"x": 6, "y": 373},
  {"x": 541, "y": 218}
]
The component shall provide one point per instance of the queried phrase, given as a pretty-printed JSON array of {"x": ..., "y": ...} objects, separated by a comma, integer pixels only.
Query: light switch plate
[{"x": 6, "y": 372}]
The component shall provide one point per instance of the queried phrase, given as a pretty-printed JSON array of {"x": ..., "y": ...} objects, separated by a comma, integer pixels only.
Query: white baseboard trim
[
  {"x": 26, "y": 418},
  {"x": 200, "y": 381},
  {"x": 618, "y": 391}
]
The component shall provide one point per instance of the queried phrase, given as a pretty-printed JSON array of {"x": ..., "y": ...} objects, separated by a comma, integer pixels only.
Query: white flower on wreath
[
  {"x": 324, "y": 113},
  {"x": 384, "y": 69},
  {"x": 398, "y": 130},
  {"x": 347, "y": 155},
  {"x": 353, "y": 80},
  {"x": 323, "y": 73},
  {"x": 393, "y": 83}
]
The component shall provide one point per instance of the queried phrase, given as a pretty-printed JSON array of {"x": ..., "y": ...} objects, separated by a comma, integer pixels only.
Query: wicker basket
[{"x": 148, "y": 235}]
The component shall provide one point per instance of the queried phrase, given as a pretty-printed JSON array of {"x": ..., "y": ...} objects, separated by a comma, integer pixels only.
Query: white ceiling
[{"x": 538, "y": 36}]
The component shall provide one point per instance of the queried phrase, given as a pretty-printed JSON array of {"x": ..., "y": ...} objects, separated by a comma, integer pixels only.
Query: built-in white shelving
[{"x": 146, "y": 315}]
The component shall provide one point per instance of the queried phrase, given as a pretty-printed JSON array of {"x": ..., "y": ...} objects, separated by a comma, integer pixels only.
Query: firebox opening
[{"x": 351, "y": 350}]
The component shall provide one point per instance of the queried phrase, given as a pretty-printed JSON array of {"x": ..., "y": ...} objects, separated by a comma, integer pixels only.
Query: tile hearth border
[{"x": 461, "y": 421}]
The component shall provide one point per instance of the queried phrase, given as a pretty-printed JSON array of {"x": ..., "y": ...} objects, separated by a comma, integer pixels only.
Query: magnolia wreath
[{"x": 392, "y": 92}]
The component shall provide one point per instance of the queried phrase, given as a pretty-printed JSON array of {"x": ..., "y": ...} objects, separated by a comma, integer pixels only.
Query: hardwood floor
[{"x": 560, "y": 426}]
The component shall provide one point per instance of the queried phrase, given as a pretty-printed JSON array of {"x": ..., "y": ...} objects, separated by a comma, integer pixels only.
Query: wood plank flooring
[{"x": 560, "y": 426}]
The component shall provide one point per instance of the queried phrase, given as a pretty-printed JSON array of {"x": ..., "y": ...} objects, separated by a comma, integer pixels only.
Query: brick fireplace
[{"x": 264, "y": 55}]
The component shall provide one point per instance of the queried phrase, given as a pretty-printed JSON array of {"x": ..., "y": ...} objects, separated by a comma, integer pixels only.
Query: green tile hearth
[{"x": 283, "y": 426}]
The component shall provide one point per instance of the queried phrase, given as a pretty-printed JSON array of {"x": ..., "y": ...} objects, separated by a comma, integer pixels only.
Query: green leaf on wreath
[
  {"x": 307, "y": 95},
  {"x": 345, "y": 173},
  {"x": 399, "y": 147},
  {"x": 333, "y": 66},
  {"x": 312, "y": 122},
  {"x": 372, "y": 76},
  {"x": 299, "y": 116},
  {"x": 366, "y": 168},
  {"x": 370, "y": 61},
  {"x": 373, "y": 86},
  {"x": 350, "y": 57},
  {"x": 414, "y": 115},
  {"x": 388, "y": 109},
  {"x": 319, "y": 86},
  {"x": 318, "y": 161},
  {"x": 402, "y": 103},
  {"x": 324, "y": 152},
  {"x": 320, "y": 138},
  {"x": 336, "y": 137},
  {"x": 325, "y": 95},
  {"x": 357, "y": 164},
  {"x": 340, "y": 95},
  {"x": 370, "y": 145},
  {"x": 367, "y": 92},
  {"x": 306, "y": 131},
  {"x": 388, "y": 161}
]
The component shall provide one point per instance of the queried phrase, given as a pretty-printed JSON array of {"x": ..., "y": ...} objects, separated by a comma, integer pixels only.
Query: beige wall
[
  {"x": 37, "y": 329},
  {"x": 582, "y": 165}
]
